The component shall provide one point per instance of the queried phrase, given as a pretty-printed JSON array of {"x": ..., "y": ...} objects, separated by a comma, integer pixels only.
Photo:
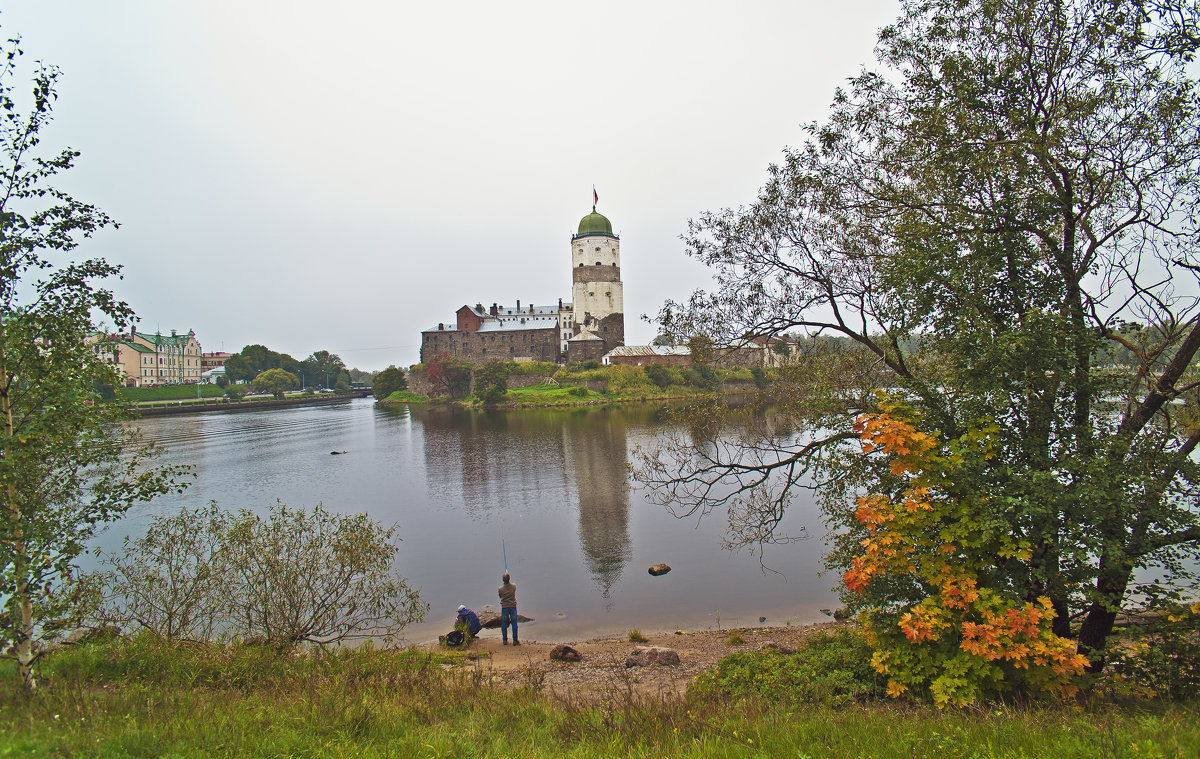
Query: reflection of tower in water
[
  {"x": 596, "y": 454},
  {"x": 517, "y": 460}
]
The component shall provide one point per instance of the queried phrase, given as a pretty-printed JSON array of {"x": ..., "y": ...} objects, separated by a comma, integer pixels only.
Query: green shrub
[
  {"x": 491, "y": 382},
  {"x": 664, "y": 375},
  {"x": 635, "y": 636},
  {"x": 740, "y": 373},
  {"x": 833, "y": 669},
  {"x": 627, "y": 379},
  {"x": 578, "y": 392},
  {"x": 703, "y": 377},
  {"x": 1160, "y": 657}
]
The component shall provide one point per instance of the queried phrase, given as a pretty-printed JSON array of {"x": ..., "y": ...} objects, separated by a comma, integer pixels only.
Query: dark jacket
[{"x": 472, "y": 620}]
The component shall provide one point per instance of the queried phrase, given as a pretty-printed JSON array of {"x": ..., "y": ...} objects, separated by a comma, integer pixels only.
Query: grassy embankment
[
  {"x": 137, "y": 697},
  {"x": 169, "y": 393},
  {"x": 185, "y": 394},
  {"x": 405, "y": 396},
  {"x": 570, "y": 385}
]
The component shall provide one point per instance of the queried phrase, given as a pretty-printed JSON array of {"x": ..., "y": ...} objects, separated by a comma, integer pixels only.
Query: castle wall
[
  {"x": 492, "y": 345},
  {"x": 582, "y": 350}
]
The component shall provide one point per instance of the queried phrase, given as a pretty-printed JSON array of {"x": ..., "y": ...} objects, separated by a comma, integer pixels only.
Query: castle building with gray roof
[{"x": 588, "y": 327}]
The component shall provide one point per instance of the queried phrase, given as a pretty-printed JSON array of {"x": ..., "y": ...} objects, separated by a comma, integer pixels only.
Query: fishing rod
[{"x": 503, "y": 549}]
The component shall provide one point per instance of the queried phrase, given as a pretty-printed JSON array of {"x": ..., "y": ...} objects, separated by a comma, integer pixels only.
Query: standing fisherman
[{"x": 508, "y": 610}]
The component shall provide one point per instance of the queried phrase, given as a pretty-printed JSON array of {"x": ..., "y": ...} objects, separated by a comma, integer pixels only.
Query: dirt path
[{"x": 602, "y": 672}]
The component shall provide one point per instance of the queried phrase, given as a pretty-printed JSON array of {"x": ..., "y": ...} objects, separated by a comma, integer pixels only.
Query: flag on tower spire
[{"x": 595, "y": 198}]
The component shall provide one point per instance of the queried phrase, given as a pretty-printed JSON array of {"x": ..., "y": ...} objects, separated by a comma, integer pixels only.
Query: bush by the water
[
  {"x": 1160, "y": 656},
  {"x": 287, "y": 577},
  {"x": 832, "y": 669}
]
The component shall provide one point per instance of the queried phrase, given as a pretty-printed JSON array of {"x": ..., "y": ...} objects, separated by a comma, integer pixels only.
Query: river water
[{"x": 546, "y": 490}]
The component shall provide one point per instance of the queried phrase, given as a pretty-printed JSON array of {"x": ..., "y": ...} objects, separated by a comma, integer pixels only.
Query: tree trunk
[
  {"x": 24, "y": 632},
  {"x": 1101, "y": 616}
]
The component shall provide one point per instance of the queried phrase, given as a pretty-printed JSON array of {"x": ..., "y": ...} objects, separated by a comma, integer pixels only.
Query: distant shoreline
[{"x": 173, "y": 408}]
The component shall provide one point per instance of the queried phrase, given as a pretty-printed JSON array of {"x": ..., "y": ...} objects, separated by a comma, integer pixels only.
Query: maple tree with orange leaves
[{"x": 967, "y": 637}]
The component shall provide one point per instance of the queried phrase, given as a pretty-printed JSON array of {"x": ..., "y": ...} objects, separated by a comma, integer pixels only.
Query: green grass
[
  {"x": 137, "y": 698},
  {"x": 551, "y": 395},
  {"x": 169, "y": 393},
  {"x": 831, "y": 668},
  {"x": 406, "y": 396}
]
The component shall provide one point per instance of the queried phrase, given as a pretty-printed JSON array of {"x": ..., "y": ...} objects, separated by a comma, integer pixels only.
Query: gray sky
[{"x": 343, "y": 175}]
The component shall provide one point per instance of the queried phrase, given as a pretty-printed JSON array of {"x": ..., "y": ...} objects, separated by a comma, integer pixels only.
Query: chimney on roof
[
  {"x": 531, "y": 308},
  {"x": 518, "y": 306},
  {"x": 495, "y": 310},
  {"x": 560, "y": 304},
  {"x": 441, "y": 325}
]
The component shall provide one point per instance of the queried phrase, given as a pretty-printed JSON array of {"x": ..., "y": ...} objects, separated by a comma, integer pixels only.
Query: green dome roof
[{"x": 595, "y": 224}]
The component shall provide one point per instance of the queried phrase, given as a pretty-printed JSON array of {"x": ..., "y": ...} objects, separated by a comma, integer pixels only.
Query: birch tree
[{"x": 67, "y": 465}]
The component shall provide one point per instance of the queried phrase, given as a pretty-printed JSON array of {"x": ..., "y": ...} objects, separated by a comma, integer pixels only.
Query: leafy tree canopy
[
  {"x": 389, "y": 381},
  {"x": 253, "y": 360},
  {"x": 982, "y": 217},
  {"x": 276, "y": 382},
  {"x": 491, "y": 381}
]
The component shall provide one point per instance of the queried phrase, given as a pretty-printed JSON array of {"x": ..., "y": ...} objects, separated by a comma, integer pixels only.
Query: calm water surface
[{"x": 577, "y": 532}]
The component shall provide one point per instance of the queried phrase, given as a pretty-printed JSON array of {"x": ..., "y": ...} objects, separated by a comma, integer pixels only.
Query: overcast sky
[{"x": 342, "y": 175}]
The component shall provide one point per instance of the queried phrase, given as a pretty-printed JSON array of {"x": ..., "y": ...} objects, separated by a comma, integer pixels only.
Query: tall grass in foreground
[{"x": 137, "y": 698}]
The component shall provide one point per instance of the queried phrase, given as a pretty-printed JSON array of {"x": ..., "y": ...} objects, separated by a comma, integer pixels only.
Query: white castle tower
[{"x": 597, "y": 295}]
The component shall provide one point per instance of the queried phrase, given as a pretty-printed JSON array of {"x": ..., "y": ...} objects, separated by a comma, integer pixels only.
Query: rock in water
[
  {"x": 490, "y": 618},
  {"x": 660, "y": 569},
  {"x": 563, "y": 652},
  {"x": 644, "y": 656}
]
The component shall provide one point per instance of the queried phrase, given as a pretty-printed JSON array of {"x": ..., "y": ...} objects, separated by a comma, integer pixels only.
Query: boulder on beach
[
  {"x": 563, "y": 652},
  {"x": 490, "y": 618},
  {"x": 644, "y": 656},
  {"x": 659, "y": 569}
]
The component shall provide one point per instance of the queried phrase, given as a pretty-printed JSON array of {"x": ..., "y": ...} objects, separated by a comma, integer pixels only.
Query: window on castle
[
  {"x": 598, "y": 263},
  {"x": 580, "y": 266}
]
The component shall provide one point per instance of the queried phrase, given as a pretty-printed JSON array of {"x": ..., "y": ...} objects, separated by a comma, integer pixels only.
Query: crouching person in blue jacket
[{"x": 471, "y": 620}]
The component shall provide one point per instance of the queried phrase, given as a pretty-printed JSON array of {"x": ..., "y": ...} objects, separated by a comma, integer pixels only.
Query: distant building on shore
[
  {"x": 146, "y": 359},
  {"x": 588, "y": 327},
  {"x": 213, "y": 360},
  {"x": 649, "y": 355}
]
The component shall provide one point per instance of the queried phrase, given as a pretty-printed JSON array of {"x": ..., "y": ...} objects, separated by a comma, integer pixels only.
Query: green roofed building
[{"x": 147, "y": 359}]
